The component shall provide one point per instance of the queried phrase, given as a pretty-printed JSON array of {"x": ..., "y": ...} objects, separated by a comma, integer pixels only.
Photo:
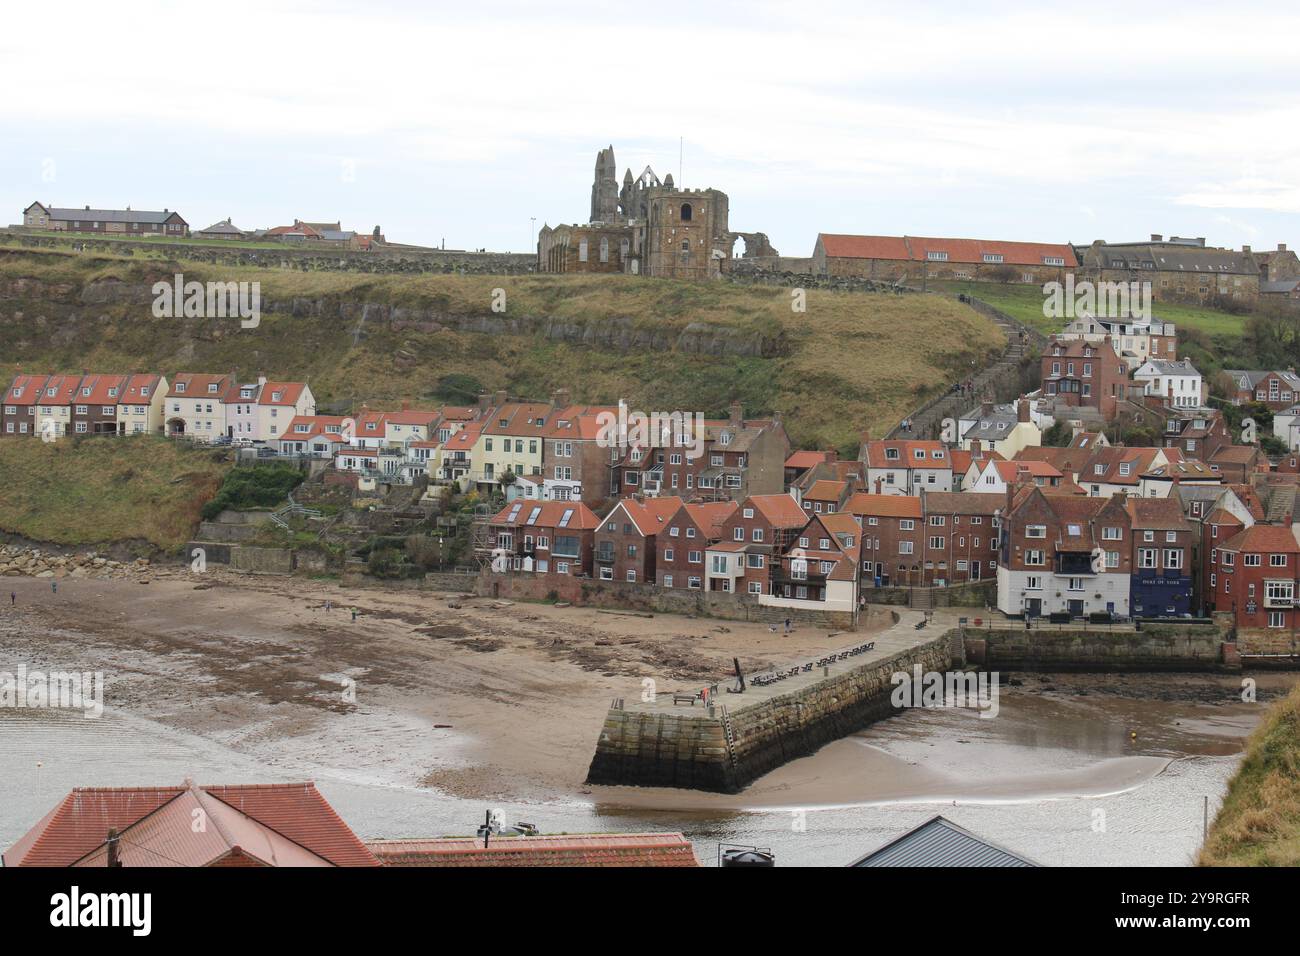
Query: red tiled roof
[
  {"x": 196, "y": 385},
  {"x": 781, "y": 511},
  {"x": 825, "y": 490},
  {"x": 649, "y": 515},
  {"x": 78, "y": 826},
  {"x": 806, "y": 459},
  {"x": 549, "y": 514},
  {"x": 289, "y": 393},
  {"x": 907, "y": 448},
  {"x": 711, "y": 516},
  {"x": 918, "y": 248},
  {"x": 100, "y": 386},
  {"x": 135, "y": 384},
  {"x": 884, "y": 506},
  {"x": 1263, "y": 538},
  {"x": 594, "y": 849},
  {"x": 31, "y": 386}
]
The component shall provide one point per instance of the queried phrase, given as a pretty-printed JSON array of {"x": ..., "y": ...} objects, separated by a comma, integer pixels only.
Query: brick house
[
  {"x": 94, "y": 408},
  {"x": 819, "y": 569},
  {"x": 626, "y": 543},
  {"x": 1254, "y": 576},
  {"x": 691, "y": 531},
  {"x": 739, "y": 457},
  {"x": 575, "y": 465},
  {"x": 1064, "y": 554},
  {"x": 20, "y": 403},
  {"x": 891, "y": 545},
  {"x": 1079, "y": 373},
  {"x": 763, "y": 526},
  {"x": 1238, "y": 463},
  {"x": 546, "y": 537},
  {"x": 960, "y": 539},
  {"x": 57, "y": 400},
  {"x": 1162, "y": 547},
  {"x": 1278, "y": 390}
]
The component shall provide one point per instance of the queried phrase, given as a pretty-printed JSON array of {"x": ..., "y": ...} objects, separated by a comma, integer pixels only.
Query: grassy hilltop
[{"x": 851, "y": 362}]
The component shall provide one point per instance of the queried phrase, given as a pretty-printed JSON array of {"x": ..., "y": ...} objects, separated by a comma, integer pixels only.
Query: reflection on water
[{"x": 1022, "y": 780}]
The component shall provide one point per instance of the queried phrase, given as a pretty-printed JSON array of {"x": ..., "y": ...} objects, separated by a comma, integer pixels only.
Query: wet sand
[{"x": 237, "y": 678}]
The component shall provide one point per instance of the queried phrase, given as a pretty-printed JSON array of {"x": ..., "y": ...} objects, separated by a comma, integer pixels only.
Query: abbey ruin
[{"x": 648, "y": 227}]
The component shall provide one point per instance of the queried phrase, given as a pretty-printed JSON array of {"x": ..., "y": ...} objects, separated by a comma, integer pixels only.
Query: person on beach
[
  {"x": 54, "y": 585},
  {"x": 13, "y": 598},
  {"x": 787, "y": 625},
  {"x": 354, "y": 614}
]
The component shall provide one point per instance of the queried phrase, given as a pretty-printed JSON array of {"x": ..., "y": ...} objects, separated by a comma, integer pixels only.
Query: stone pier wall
[
  {"x": 688, "y": 748},
  {"x": 1159, "y": 647}
]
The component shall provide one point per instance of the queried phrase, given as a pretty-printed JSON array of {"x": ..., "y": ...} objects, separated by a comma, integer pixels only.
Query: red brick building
[
  {"x": 681, "y": 549},
  {"x": 1254, "y": 576},
  {"x": 892, "y": 545},
  {"x": 1080, "y": 373},
  {"x": 627, "y": 539},
  {"x": 543, "y": 537},
  {"x": 763, "y": 526},
  {"x": 960, "y": 542}
]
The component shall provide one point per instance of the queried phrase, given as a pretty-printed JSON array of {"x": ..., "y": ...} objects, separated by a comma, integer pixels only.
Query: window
[
  {"x": 686, "y": 212},
  {"x": 1251, "y": 560},
  {"x": 936, "y": 543},
  {"x": 1277, "y": 560},
  {"x": 1111, "y": 534},
  {"x": 1036, "y": 531},
  {"x": 1033, "y": 557},
  {"x": 1173, "y": 558},
  {"x": 905, "y": 547},
  {"x": 1147, "y": 557},
  {"x": 1277, "y": 619},
  {"x": 1033, "y": 583}
]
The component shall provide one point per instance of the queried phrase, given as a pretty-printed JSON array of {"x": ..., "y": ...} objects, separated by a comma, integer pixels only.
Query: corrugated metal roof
[{"x": 940, "y": 842}]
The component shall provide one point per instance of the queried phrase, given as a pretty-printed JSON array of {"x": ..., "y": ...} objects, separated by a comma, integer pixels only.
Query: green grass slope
[
  {"x": 850, "y": 363},
  {"x": 96, "y": 491}
]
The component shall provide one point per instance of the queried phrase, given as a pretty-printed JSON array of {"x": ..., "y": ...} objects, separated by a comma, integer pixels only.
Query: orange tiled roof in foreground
[{"x": 587, "y": 849}]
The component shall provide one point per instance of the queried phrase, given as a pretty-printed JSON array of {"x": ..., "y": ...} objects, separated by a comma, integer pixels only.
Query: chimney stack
[
  {"x": 1281, "y": 247},
  {"x": 1022, "y": 410},
  {"x": 1156, "y": 237},
  {"x": 879, "y": 482},
  {"x": 500, "y": 397},
  {"x": 737, "y": 414}
]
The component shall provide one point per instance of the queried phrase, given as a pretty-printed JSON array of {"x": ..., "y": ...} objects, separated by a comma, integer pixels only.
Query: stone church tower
[{"x": 604, "y": 188}]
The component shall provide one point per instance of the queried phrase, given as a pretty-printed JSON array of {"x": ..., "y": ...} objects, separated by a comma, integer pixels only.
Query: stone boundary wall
[
  {"x": 651, "y": 749},
  {"x": 389, "y": 259},
  {"x": 1157, "y": 647},
  {"x": 620, "y": 595},
  {"x": 972, "y": 595}
]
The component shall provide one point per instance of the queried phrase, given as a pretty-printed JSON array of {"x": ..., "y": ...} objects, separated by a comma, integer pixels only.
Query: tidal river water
[{"x": 1075, "y": 774}]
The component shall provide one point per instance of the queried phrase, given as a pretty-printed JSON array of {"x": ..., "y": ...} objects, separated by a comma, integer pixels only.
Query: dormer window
[
  {"x": 277, "y": 396},
  {"x": 180, "y": 386},
  {"x": 212, "y": 388},
  {"x": 891, "y": 454}
]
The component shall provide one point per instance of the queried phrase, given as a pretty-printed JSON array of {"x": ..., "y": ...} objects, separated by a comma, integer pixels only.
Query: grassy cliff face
[
  {"x": 97, "y": 491},
  {"x": 850, "y": 363},
  {"x": 1259, "y": 822}
]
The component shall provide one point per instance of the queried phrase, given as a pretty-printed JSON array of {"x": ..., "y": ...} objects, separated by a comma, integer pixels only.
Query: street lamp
[{"x": 532, "y": 232}]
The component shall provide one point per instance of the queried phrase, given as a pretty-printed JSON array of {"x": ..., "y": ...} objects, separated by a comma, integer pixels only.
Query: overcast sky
[{"x": 460, "y": 122}]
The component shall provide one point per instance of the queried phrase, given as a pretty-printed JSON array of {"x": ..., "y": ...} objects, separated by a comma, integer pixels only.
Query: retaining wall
[{"x": 1157, "y": 647}]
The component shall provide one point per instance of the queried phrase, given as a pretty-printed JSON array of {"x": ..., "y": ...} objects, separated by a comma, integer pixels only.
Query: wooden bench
[{"x": 685, "y": 699}]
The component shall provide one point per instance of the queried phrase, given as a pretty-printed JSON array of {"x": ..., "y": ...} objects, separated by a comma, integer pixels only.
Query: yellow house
[
  {"x": 140, "y": 407},
  {"x": 511, "y": 440}
]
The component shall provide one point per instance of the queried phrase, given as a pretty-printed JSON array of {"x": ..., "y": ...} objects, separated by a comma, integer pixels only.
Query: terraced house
[
  {"x": 891, "y": 546},
  {"x": 141, "y": 407},
  {"x": 694, "y": 528},
  {"x": 128, "y": 222},
  {"x": 1064, "y": 555},
  {"x": 19, "y": 409},
  {"x": 905, "y": 467},
  {"x": 818, "y": 570},
  {"x": 94, "y": 408},
  {"x": 196, "y": 406},
  {"x": 1254, "y": 575},
  {"x": 627, "y": 540},
  {"x": 547, "y": 537},
  {"x": 1078, "y": 373},
  {"x": 762, "y": 527},
  {"x": 1162, "y": 544}
]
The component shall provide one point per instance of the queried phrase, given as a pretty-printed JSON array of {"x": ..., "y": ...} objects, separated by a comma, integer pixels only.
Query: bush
[{"x": 262, "y": 486}]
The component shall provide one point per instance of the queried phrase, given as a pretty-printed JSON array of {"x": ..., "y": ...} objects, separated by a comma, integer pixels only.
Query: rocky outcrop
[{"x": 35, "y": 563}]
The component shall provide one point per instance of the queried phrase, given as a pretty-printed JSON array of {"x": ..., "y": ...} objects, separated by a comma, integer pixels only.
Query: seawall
[
  {"x": 725, "y": 747},
  {"x": 1156, "y": 647}
]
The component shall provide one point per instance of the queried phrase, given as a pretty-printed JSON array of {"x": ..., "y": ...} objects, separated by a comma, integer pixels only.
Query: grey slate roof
[
  {"x": 940, "y": 842},
  {"x": 113, "y": 215}
]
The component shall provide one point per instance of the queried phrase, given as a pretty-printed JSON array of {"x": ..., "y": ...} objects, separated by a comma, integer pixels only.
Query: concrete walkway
[{"x": 902, "y": 636}]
